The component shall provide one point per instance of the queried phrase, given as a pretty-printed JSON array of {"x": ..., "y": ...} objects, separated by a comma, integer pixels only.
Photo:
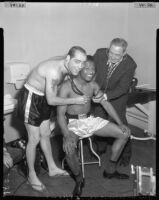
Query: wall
[
  {"x": 142, "y": 32},
  {"x": 42, "y": 30}
]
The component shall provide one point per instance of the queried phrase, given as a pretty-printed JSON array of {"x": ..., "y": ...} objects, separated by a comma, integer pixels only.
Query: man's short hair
[
  {"x": 90, "y": 59},
  {"x": 119, "y": 42},
  {"x": 74, "y": 49}
]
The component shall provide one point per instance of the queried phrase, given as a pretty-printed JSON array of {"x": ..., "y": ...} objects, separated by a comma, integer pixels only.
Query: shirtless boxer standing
[{"x": 34, "y": 106}]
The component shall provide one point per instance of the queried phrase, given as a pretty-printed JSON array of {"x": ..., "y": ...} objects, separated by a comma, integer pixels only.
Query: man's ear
[{"x": 68, "y": 58}]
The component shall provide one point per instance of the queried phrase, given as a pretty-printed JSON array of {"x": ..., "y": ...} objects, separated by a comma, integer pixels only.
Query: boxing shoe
[
  {"x": 78, "y": 189},
  {"x": 115, "y": 174}
]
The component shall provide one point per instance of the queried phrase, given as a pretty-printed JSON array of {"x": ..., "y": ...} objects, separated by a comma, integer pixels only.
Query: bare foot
[
  {"x": 35, "y": 183},
  {"x": 58, "y": 172}
]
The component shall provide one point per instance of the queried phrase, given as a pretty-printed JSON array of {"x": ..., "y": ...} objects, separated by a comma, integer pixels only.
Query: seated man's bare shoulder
[
  {"x": 94, "y": 85},
  {"x": 97, "y": 93}
]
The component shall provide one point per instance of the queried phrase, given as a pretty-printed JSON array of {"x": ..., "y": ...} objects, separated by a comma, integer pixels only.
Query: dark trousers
[
  {"x": 16, "y": 155},
  {"x": 120, "y": 107}
]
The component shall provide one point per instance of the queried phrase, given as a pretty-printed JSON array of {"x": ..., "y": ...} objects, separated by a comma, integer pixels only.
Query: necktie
[{"x": 111, "y": 68}]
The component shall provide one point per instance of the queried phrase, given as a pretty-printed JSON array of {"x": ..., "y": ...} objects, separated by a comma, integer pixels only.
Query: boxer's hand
[
  {"x": 125, "y": 129},
  {"x": 97, "y": 100}
]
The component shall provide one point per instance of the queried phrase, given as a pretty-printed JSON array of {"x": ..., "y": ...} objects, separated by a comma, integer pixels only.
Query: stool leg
[
  {"x": 82, "y": 158},
  {"x": 91, "y": 147}
]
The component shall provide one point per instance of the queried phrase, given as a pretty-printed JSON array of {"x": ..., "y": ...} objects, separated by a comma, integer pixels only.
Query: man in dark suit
[{"x": 115, "y": 71}]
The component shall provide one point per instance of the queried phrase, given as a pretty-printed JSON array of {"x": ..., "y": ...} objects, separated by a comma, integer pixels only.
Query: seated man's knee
[{"x": 124, "y": 135}]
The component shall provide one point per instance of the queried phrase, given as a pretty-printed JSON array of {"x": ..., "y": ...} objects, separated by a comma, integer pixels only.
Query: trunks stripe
[{"x": 27, "y": 108}]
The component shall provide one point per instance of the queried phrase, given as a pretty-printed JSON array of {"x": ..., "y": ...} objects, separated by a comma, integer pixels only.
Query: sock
[
  {"x": 78, "y": 177},
  {"x": 111, "y": 166}
]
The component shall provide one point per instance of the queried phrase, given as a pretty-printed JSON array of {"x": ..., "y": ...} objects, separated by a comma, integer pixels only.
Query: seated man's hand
[
  {"x": 125, "y": 129},
  {"x": 99, "y": 97},
  {"x": 96, "y": 100},
  {"x": 70, "y": 143},
  {"x": 7, "y": 160}
]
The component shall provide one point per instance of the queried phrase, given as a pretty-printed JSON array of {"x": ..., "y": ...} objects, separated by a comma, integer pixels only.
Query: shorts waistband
[
  {"x": 80, "y": 116},
  {"x": 34, "y": 90}
]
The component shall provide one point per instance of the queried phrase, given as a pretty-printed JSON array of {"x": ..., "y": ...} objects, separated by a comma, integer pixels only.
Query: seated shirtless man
[
  {"x": 80, "y": 123},
  {"x": 34, "y": 106}
]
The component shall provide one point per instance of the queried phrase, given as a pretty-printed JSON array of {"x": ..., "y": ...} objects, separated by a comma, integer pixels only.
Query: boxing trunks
[
  {"x": 32, "y": 106},
  {"x": 84, "y": 125}
]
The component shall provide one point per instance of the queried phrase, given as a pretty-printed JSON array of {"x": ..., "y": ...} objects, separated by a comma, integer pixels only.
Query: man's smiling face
[{"x": 88, "y": 72}]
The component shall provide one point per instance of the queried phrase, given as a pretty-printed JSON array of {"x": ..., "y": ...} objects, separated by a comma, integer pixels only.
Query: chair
[{"x": 81, "y": 154}]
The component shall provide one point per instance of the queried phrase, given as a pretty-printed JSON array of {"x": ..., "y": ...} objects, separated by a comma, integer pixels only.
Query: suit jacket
[{"x": 118, "y": 85}]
